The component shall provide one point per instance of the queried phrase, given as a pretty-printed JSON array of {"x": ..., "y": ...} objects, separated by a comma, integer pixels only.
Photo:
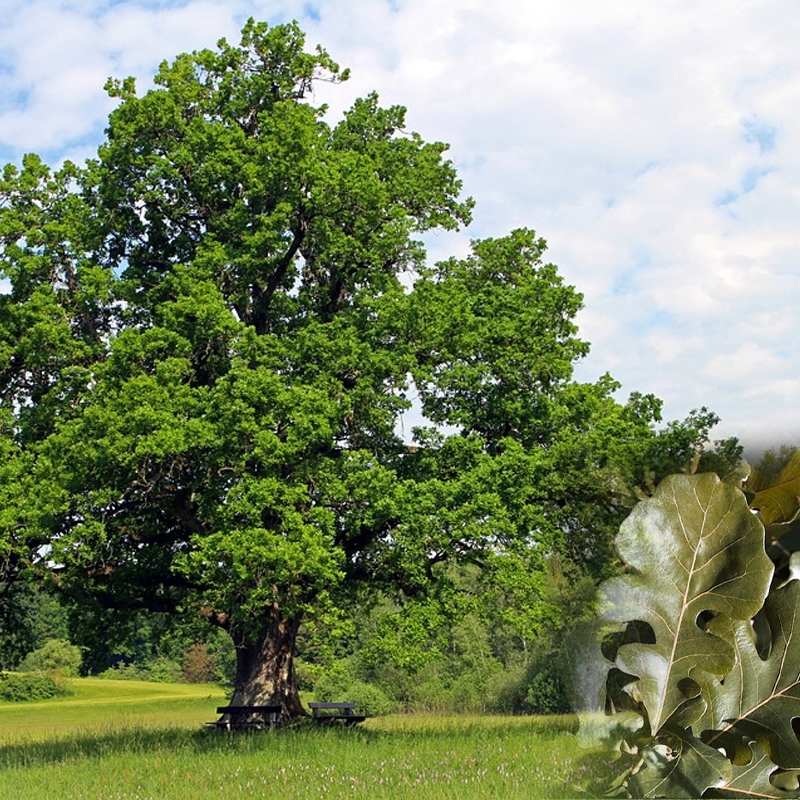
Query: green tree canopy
[{"x": 213, "y": 330}]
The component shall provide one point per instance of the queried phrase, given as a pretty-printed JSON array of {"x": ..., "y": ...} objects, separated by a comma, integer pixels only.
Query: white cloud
[
  {"x": 655, "y": 145},
  {"x": 58, "y": 56}
]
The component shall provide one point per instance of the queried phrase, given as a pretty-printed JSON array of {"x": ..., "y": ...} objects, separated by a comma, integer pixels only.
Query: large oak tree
[{"x": 213, "y": 330}]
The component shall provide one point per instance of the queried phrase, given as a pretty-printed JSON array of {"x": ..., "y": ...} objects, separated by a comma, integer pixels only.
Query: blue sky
[{"x": 655, "y": 145}]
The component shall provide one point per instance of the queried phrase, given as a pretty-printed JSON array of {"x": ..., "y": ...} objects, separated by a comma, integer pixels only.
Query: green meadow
[{"x": 125, "y": 740}]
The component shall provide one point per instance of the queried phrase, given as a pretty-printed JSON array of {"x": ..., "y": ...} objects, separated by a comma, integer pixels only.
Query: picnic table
[
  {"x": 246, "y": 717},
  {"x": 328, "y": 713}
]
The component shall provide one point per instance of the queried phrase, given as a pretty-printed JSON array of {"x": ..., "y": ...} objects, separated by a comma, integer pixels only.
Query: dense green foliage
[
  {"x": 469, "y": 656},
  {"x": 30, "y": 687},
  {"x": 212, "y": 334},
  {"x": 55, "y": 655},
  {"x": 696, "y": 665},
  {"x": 29, "y": 616}
]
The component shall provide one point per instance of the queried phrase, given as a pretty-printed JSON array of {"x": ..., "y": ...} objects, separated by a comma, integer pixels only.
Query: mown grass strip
[{"x": 98, "y": 704}]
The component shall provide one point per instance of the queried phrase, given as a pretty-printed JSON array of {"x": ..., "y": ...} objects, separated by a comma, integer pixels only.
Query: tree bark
[{"x": 265, "y": 668}]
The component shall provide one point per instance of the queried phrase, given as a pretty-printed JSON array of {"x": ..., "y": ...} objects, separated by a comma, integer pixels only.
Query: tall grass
[{"x": 84, "y": 748}]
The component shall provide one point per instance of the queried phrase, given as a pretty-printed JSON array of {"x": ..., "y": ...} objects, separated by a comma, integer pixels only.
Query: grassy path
[
  {"x": 133, "y": 741},
  {"x": 102, "y": 704}
]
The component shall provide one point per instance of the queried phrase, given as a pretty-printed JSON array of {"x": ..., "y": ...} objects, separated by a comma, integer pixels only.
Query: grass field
[{"x": 124, "y": 740}]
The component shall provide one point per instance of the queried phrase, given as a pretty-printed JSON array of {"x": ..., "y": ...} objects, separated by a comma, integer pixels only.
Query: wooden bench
[
  {"x": 328, "y": 713},
  {"x": 246, "y": 717}
]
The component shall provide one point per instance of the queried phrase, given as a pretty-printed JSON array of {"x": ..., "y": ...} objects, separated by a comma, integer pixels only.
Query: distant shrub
[
  {"x": 369, "y": 699},
  {"x": 157, "y": 670},
  {"x": 124, "y": 672},
  {"x": 546, "y": 694},
  {"x": 21, "y": 687},
  {"x": 55, "y": 655},
  {"x": 164, "y": 670},
  {"x": 427, "y": 693},
  {"x": 307, "y": 674},
  {"x": 225, "y": 661},
  {"x": 199, "y": 664},
  {"x": 467, "y": 695},
  {"x": 506, "y": 691}
]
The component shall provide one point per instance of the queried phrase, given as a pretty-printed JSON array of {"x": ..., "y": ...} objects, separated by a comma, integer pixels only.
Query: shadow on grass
[
  {"x": 132, "y": 740},
  {"x": 91, "y": 746}
]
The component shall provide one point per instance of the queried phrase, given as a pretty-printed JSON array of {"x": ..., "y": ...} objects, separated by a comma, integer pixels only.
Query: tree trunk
[{"x": 265, "y": 668}]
